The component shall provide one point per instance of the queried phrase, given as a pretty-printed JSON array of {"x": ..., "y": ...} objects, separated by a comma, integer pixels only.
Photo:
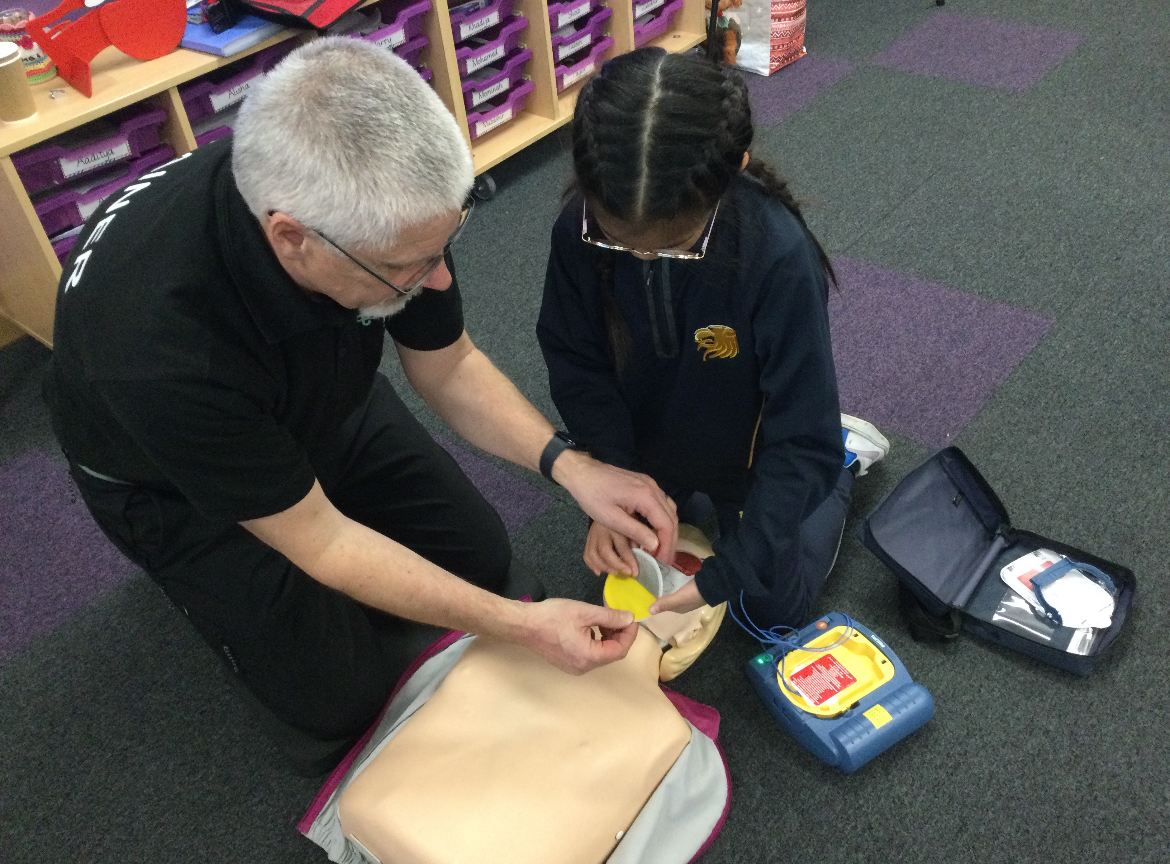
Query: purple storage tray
[
  {"x": 560, "y": 14},
  {"x": 497, "y": 115},
  {"x": 493, "y": 45},
  {"x": 411, "y": 50},
  {"x": 212, "y": 135},
  {"x": 464, "y": 26},
  {"x": 584, "y": 36},
  {"x": 567, "y": 76},
  {"x": 215, "y": 126},
  {"x": 62, "y": 247},
  {"x": 226, "y": 86},
  {"x": 643, "y": 33},
  {"x": 475, "y": 93},
  {"x": 407, "y": 24},
  {"x": 90, "y": 147},
  {"x": 69, "y": 208}
]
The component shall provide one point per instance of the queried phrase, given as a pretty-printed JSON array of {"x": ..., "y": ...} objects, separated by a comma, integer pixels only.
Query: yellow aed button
[{"x": 878, "y": 716}]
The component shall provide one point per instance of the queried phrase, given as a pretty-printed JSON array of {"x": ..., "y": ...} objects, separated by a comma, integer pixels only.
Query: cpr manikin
[
  {"x": 685, "y": 635},
  {"x": 512, "y": 761}
]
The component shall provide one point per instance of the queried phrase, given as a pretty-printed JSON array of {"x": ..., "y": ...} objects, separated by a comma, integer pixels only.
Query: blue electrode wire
[{"x": 771, "y": 638}]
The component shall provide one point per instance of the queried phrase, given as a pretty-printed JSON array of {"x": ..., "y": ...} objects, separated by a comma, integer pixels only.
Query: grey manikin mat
[{"x": 671, "y": 828}]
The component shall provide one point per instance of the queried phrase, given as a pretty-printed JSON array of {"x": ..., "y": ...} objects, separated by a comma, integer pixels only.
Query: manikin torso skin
[{"x": 513, "y": 761}]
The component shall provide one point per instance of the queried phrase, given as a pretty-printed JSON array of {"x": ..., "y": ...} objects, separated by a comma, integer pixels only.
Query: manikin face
[{"x": 315, "y": 265}]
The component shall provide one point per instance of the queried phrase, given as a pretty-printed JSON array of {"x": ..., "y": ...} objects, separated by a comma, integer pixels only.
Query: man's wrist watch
[{"x": 559, "y": 444}]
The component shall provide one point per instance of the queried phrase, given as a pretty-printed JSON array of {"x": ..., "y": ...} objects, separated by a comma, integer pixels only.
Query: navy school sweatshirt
[{"x": 720, "y": 345}]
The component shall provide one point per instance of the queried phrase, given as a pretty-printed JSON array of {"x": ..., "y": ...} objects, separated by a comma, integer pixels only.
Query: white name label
[
  {"x": 641, "y": 9},
  {"x": 73, "y": 167},
  {"x": 398, "y": 37},
  {"x": 484, "y": 59},
  {"x": 489, "y": 125},
  {"x": 495, "y": 90},
  {"x": 473, "y": 27},
  {"x": 573, "y": 77},
  {"x": 573, "y": 47},
  {"x": 573, "y": 14},
  {"x": 219, "y": 101},
  {"x": 86, "y": 210}
]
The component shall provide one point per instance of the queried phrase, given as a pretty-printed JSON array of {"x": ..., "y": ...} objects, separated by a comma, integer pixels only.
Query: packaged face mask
[{"x": 1076, "y": 599}]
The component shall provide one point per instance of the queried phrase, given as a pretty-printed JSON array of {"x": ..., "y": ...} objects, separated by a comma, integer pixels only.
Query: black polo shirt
[{"x": 185, "y": 358}]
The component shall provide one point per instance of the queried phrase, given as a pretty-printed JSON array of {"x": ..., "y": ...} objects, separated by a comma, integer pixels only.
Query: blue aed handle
[{"x": 851, "y": 739}]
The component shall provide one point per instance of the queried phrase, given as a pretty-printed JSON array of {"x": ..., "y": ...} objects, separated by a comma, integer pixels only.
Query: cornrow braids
[
  {"x": 738, "y": 114},
  {"x": 658, "y": 137},
  {"x": 619, "y": 339},
  {"x": 775, "y": 186}
]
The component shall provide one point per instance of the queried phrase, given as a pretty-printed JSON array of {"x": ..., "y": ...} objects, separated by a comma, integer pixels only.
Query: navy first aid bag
[{"x": 945, "y": 534}]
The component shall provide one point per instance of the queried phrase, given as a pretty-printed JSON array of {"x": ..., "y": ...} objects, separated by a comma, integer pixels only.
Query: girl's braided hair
[{"x": 658, "y": 136}]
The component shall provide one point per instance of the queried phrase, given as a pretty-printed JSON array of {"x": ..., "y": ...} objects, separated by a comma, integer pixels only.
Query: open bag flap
[{"x": 940, "y": 527}]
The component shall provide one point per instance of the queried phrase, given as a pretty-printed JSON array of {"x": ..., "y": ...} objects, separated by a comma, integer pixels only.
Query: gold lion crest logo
[{"x": 717, "y": 341}]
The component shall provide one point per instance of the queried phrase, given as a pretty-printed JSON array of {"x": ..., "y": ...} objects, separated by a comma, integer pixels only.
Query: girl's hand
[
  {"x": 617, "y": 498},
  {"x": 607, "y": 551},
  {"x": 684, "y": 599}
]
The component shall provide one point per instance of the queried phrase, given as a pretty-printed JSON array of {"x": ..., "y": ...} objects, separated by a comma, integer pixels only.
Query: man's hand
[
  {"x": 684, "y": 599},
  {"x": 607, "y": 551},
  {"x": 478, "y": 402},
  {"x": 613, "y": 495},
  {"x": 562, "y": 632}
]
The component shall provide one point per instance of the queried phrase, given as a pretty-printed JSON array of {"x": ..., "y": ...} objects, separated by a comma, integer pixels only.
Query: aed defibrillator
[{"x": 839, "y": 690}]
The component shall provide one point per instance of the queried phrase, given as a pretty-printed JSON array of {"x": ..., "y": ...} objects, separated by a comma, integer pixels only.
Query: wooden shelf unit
[{"x": 29, "y": 270}]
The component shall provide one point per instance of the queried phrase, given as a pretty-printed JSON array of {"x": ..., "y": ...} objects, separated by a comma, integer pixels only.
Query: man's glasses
[
  {"x": 589, "y": 237},
  {"x": 427, "y": 269}
]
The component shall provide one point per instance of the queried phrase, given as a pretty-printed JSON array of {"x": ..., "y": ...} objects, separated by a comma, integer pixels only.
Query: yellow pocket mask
[{"x": 688, "y": 633}]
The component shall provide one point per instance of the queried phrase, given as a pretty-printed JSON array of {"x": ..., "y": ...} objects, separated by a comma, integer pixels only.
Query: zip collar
[{"x": 663, "y": 329}]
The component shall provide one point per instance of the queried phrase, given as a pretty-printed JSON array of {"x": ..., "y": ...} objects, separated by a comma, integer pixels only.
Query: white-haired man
[{"x": 214, "y": 385}]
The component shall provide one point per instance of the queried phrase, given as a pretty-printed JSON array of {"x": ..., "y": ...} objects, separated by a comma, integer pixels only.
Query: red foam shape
[{"x": 142, "y": 29}]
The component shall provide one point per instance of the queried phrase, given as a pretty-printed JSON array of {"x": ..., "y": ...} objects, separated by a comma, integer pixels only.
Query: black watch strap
[{"x": 559, "y": 444}]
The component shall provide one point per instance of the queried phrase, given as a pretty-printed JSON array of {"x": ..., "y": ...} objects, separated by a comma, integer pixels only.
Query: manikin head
[
  {"x": 657, "y": 140},
  {"x": 350, "y": 161}
]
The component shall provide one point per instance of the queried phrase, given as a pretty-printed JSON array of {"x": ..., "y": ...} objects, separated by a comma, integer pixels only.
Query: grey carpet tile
[{"x": 24, "y": 422}]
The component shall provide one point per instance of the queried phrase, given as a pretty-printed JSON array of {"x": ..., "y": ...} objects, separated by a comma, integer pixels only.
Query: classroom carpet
[{"x": 992, "y": 181}]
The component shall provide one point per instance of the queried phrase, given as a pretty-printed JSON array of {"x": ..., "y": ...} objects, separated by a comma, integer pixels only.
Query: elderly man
[{"x": 214, "y": 385}]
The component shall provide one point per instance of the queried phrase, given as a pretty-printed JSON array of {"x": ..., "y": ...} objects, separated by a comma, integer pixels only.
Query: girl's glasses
[
  {"x": 687, "y": 255},
  {"x": 427, "y": 269}
]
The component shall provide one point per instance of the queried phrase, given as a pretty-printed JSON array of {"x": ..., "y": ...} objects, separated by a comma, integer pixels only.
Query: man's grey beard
[{"x": 386, "y": 308}]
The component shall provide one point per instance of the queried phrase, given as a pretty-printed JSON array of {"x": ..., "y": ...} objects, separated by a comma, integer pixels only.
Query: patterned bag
[{"x": 787, "y": 36}]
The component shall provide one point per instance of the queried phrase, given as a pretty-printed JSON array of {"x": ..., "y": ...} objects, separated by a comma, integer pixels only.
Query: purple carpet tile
[
  {"x": 54, "y": 560},
  {"x": 777, "y": 97},
  {"x": 996, "y": 54},
  {"x": 517, "y": 502},
  {"x": 918, "y": 358}
]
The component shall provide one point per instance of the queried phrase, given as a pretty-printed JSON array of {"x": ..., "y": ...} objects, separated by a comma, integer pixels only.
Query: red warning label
[{"x": 821, "y": 679}]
